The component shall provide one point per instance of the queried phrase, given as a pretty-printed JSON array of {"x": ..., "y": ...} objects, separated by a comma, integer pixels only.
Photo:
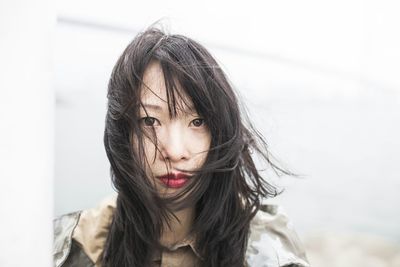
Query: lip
[{"x": 174, "y": 180}]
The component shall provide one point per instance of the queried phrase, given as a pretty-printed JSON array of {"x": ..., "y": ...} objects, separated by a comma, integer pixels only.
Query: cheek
[
  {"x": 206, "y": 140},
  {"x": 148, "y": 147},
  {"x": 151, "y": 165},
  {"x": 202, "y": 144},
  {"x": 149, "y": 150}
]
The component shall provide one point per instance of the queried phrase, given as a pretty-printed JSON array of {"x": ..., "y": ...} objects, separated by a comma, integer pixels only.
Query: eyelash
[{"x": 154, "y": 120}]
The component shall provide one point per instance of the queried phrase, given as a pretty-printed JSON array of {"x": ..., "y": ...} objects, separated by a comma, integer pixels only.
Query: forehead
[
  {"x": 153, "y": 82},
  {"x": 154, "y": 90}
]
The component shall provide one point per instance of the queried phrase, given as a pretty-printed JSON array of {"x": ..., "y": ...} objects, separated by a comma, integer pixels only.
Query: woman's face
[{"x": 183, "y": 141}]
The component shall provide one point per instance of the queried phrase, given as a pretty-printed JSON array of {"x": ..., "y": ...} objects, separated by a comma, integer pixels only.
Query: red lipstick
[{"x": 174, "y": 180}]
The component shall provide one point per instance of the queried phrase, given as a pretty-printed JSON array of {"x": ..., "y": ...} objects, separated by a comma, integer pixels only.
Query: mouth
[{"x": 174, "y": 180}]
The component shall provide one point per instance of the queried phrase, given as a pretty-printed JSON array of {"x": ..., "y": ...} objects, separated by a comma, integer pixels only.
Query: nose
[{"x": 173, "y": 145}]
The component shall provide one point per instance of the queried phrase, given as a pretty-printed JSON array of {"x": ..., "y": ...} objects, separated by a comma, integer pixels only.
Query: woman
[{"x": 189, "y": 193}]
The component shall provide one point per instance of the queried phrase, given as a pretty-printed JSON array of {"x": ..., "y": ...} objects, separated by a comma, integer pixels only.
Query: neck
[{"x": 178, "y": 228}]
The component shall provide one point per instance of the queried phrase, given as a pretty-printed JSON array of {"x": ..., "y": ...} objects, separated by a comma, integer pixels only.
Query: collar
[{"x": 187, "y": 242}]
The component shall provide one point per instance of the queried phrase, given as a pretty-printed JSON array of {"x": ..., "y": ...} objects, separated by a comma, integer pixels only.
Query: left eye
[{"x": 197, "y": 122}]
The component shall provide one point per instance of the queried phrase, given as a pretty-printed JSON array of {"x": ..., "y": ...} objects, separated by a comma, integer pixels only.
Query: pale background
[{"x": 321, "y": 80}]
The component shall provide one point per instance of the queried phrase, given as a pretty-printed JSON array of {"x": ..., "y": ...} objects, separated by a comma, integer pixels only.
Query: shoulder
[
  {"x": 273, "y": 242},
  {"x": 79, "y": 236}
]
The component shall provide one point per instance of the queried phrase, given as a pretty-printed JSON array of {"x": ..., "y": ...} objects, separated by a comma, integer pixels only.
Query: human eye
[
  {"x": 199, "y": 122},
  {"x": 149, "y": 121}
]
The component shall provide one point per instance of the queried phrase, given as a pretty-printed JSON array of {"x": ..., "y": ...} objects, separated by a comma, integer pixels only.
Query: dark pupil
[
  {"x": 149, "y": 121},
  {"x": 197, "y": 122}
]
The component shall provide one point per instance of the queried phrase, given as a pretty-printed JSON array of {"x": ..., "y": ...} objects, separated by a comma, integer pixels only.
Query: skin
[{"x": 183, "y": 142}]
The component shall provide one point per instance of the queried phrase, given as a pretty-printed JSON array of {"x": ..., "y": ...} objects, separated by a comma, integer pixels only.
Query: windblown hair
[{"x": 226, "y": 191}]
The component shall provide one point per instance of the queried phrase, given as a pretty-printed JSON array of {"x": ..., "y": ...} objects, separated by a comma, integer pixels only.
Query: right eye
[{"x": 149, "y": 121}]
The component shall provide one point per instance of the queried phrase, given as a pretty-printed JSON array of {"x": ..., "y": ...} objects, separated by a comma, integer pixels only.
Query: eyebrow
[
  {"x": 152, "y": 106},
  {"x": 159, "y": 108}
]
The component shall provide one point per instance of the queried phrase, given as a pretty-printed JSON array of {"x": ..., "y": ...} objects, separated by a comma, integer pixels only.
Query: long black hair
[{"x": 227, "y": 190}]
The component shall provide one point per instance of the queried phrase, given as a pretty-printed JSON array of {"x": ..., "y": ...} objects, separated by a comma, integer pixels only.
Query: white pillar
[{"x": 26, "y": 132}]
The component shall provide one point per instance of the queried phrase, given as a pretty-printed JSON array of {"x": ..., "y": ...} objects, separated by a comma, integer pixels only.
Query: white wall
[{"x": 26, "y": 132}]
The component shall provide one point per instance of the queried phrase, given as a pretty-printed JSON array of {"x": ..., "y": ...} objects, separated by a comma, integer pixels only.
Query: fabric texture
[{"x": 79, "y": 239}]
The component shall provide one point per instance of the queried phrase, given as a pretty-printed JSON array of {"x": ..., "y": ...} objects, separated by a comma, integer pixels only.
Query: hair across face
[
  {"x": 175, "y": 146},
  {"x": 180, "y": 74},
  {"x": 171, "y": 110}
]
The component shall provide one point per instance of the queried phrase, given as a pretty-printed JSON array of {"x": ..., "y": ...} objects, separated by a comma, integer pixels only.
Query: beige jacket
[{"x": 79, "y": 238}]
